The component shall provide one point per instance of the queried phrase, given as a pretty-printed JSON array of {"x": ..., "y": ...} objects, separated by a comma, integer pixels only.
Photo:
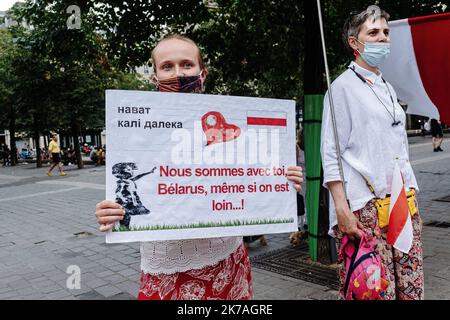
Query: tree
[
  {"x": 254, "y": 48},
  {"x": 75, "y": 67},
  {"x": 314, "y": 88},
  {"x": 133, "y": 27},
  {"x": 33, "y": 90},
  {"x": 11, "y": 116}
]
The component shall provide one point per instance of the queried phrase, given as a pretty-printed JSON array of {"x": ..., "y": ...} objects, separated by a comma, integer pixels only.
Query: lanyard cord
[{"x": 390, "y": 95}]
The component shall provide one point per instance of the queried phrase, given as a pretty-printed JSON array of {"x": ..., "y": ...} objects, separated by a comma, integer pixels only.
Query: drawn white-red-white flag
[
  {"x": 418, "y": 66},
  {"x": 400, "y": 232}
]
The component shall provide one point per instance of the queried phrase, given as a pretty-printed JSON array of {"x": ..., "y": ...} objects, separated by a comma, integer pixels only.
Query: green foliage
[
  {"x": 52, "y": 77},
  {"x": 74, "y": 66},
  {"x": 254, "y": 48},
  {"x": 6, "y": 74},
  {"x": 129, "y": 81},
  {"x": 10, "y": 80},
  {"x": 133, "y": 27},
  {"x": 65, "y": 71}
]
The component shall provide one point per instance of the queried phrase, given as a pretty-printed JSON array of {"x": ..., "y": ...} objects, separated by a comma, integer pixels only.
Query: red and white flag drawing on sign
[
  {"x": 400, "y": 232},
  {"x": 267, "y": 120},
  {"x": 419, "y": 64}
]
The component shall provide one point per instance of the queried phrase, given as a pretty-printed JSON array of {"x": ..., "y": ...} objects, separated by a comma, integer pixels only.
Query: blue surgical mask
[{"x": 375, "y": 53}]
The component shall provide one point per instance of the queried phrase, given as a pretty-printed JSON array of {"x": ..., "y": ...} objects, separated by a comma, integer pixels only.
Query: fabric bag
[{"x": 365, "y": 277}]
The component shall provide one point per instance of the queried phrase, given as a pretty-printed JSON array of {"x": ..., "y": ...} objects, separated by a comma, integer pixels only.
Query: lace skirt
[{"x": 229, "y": 279}]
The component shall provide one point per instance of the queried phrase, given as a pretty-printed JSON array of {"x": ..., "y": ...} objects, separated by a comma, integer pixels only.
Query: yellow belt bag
[
  {"x": 383, "y": 204},
  {"x": 383, "y": 207}
]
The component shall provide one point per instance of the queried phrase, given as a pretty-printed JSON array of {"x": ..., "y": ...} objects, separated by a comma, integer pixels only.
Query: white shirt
[{"x": 369, "y": 144}]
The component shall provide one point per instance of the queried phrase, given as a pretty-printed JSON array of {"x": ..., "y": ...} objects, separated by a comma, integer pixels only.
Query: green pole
[{"x": 312, "y": 119}]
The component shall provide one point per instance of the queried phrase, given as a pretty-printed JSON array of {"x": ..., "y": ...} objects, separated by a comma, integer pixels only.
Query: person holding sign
[
  {"x": 214, "y": 268},
  {"x": 368, "y": 186}
]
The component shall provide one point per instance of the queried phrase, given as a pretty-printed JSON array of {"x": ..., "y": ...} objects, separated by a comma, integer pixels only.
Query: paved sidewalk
[{"x": 48, "y": 224}]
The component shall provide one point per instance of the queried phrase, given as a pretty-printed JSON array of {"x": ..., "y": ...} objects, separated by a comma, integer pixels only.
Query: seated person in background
[
  {"x": 71, "y": 154},
  {"x": 86, "y": 149},
  {"x": 65, "y": 156},
  {"x": 93, "y": 156},
  {"x": 44, "y": 154},
  {"x": 99, "y": 153},
  {"x": 102, "y": 157}
]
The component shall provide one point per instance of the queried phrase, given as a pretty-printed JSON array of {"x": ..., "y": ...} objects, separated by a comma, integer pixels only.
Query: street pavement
[{"x": 48, "y": 229}]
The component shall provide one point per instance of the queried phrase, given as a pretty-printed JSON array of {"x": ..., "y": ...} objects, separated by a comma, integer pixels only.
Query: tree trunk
[
  {"x": 76, "y": 144},
  {"x": 12, "y": 139},
  {"x": 36, "y": 137},
  {"x": 324, "y": 250},
  {"x": 314, "y": 88},
  {"x": 314, "y": 67}
]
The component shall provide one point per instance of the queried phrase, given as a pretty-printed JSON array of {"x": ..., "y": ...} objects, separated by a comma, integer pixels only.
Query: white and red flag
[
  {"x": 400, "y": 232},
  {"x": 419, "y": 64}
]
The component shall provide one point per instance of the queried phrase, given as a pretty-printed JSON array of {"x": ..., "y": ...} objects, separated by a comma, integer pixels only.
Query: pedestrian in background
[
  {"x": 71, "y": 155},
  {"x": 427, "y": 126},
  {"x": 94, "y": 156},
  {"x": 103, "y": 155},
  {"x": 100, "y": 156},
  {"x": 55, "y": 155},
  {"x": 44, "y": 154},
  {"x": 302, "y": 233},
  {"x": 6, "y": 155},
  {"x": 437, "y": 135},
  {"x": 301, "y": 196}
]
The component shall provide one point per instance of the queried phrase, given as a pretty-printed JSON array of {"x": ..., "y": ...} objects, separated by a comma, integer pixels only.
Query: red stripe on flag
[
  {"x": 429, "y": 18},
  {"x": 398, "y": 218},
  {"x": 266, "y": 121},
  {"x": 432, "y": 51}
]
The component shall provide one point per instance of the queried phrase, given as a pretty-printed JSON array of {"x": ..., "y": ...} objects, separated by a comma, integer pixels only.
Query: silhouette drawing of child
[{"x": 126, "y": 191}]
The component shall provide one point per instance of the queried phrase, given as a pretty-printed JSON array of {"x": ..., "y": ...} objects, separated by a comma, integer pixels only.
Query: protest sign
[{"x": 188, "y": 166}]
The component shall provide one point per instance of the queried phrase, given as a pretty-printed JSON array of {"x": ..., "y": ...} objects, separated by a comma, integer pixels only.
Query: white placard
[{"x": 188, "y": 166}]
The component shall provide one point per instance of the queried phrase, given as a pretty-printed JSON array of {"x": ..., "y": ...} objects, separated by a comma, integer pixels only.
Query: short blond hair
[{"x": 179, "y": 37}]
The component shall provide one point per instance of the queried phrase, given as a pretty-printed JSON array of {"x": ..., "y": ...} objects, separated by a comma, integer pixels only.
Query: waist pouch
[{"x": 382, "y": 206}]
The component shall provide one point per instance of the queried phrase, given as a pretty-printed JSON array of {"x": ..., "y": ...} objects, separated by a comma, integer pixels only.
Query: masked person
[
  {"x": 372, "y": 140},
  {"x": 215, "y": 268}
]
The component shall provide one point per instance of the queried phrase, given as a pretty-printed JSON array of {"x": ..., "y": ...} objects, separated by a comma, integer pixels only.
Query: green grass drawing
[{"x": 233, "y": 223}]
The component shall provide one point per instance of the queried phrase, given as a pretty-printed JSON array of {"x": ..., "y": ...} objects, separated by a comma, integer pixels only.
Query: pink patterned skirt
[{"x": 229, "y": 279}]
